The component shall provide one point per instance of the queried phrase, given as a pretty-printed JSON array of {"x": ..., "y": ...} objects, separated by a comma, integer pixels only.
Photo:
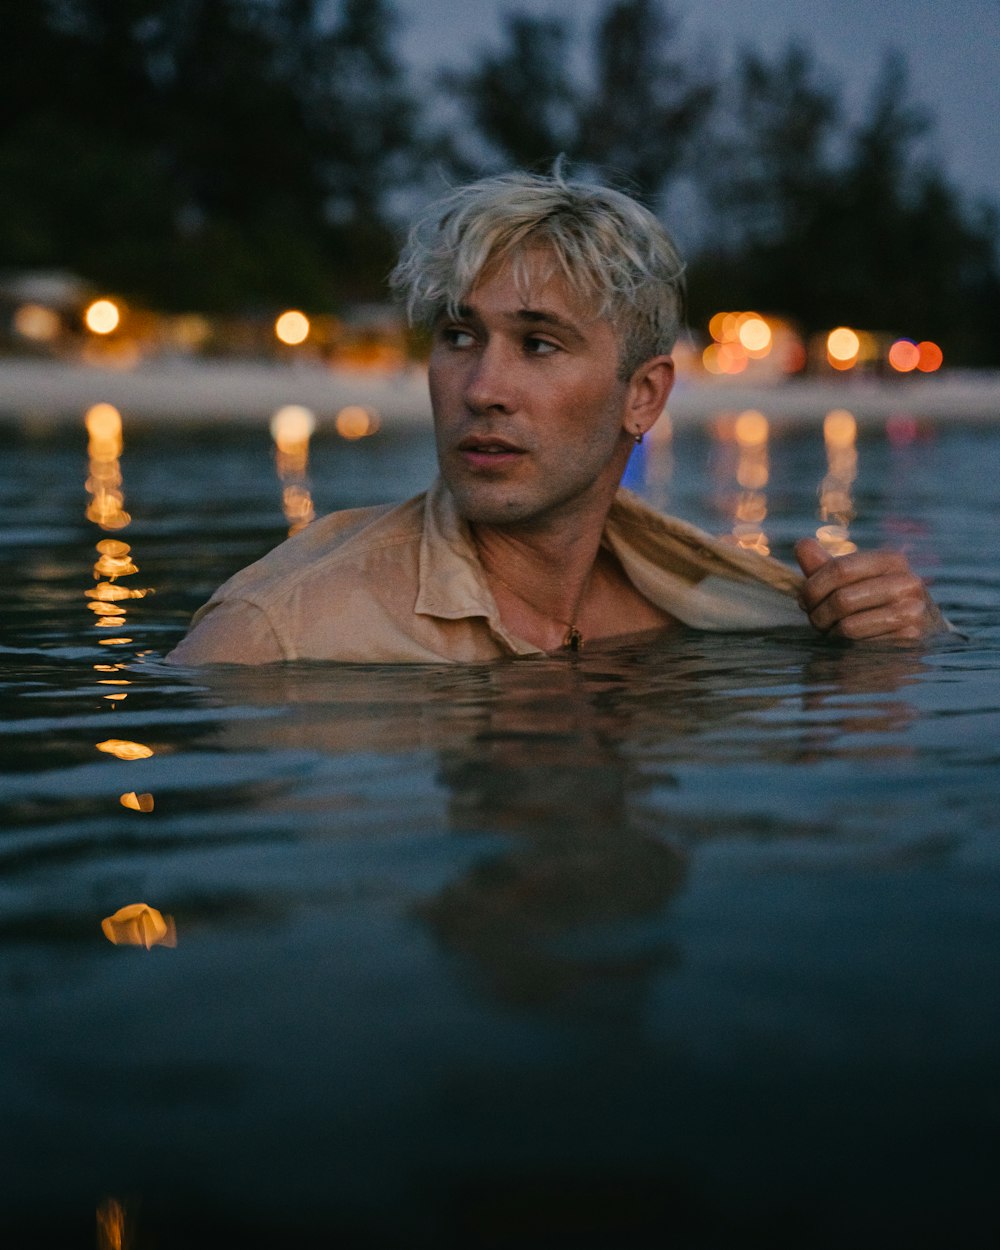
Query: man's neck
[
  {"x": 542, "y": 574},
  {"x": 550, "y": 569}
]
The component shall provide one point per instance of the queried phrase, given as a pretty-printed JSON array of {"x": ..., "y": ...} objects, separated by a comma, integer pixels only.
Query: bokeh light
[
  {"x": 104, "y": 426},
  {"x": 755, "y": 336},
  {"x": 36, "y": 322},
  {"x": 931, "y": 357},
  {"x": 291, "y": 427},
  {"x": 355, "y": 422},
  {"x": 751, "y": 428},
  {"x": 104, "y": 479},
  {"x": 292, "y": 327},
  {"x": 842, "y": 347},
  {"x": 904, "y": 355},
  {"x": 840, "y": 428},
  {"x": 102, "y": 316}
]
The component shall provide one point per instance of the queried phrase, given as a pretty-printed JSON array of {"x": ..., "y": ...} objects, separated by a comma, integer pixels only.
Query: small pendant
[{"x": 573, "y": 640}]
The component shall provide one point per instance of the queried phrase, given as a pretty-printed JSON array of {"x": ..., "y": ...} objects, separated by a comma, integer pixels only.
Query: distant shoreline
[{"x": 249, "y": 392}]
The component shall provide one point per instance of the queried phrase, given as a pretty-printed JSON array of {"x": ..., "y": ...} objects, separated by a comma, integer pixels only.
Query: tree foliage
[
  {"x": 649, "y": 105},
  {"x": 231, "y": 154},
  {"x": 212, "y": 153},
  {"x": 836, "y": 223},
  {"x": 634, "y": 118}
]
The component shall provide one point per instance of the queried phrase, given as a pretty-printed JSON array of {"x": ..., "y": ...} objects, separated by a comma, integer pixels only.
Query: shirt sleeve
[{"x": 232, "y": 632}]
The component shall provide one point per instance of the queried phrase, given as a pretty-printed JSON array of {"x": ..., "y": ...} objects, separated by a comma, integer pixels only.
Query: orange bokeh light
[
  {"x": 840, "y": 428},
  {"x": 751, "y": 428},
  {"x": 904, "y": 355},
  {"x": 731, "y": 358},
  {"x": 102, "y": 316},
  {"x": 842, "y": 347},
  {"x": 931, "y": 357},
  {"x": 355, "y": 422},
  {"x": 755, "y": 336},
  {"x": 292, "y": 327}
]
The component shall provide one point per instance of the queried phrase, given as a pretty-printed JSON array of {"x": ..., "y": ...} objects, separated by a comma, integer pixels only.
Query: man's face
[{"x": 528, "y": 405}]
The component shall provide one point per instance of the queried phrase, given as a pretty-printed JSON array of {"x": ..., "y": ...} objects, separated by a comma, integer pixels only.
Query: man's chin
[{"x": 481, "y": 504}]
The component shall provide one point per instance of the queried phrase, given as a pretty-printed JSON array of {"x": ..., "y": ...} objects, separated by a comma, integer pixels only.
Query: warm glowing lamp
[
  {"x": 842, "y": 347},
  {"x": 716, "y": 326},
  {"x": 102, "y": 316},
  {"x": 904, "y": 355},
  {"x": 292, "y": 327},
  {"x": 755, "y": 335}
]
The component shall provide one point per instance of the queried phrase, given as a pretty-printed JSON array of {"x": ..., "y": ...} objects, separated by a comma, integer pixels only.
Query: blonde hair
[{"x": 612, "y": 252}]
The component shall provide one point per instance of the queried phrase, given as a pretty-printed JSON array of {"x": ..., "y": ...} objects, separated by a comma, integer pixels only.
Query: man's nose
[{"x": 489, "y": 384}]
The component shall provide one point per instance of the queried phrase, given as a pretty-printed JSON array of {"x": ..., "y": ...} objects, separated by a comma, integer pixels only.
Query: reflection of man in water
[{"x": 554, "y": 307}]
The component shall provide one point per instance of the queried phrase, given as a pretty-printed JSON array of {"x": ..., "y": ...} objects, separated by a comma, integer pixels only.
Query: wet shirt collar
[{"x": 452, "y": 583}]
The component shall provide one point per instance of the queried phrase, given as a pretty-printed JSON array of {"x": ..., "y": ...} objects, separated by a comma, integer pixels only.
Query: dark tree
[
  {"x": 773, "y": 154},
  {"x": 522, "y": 99},
  {"x": 903, "y": 252},
  {"x": 635, "y": 121},
  {"x": 854, "y": 226},
  {"x": 206, "y": 153},
  {"x": 365, "y": 124},
  {"x": 648, "y": 106}
]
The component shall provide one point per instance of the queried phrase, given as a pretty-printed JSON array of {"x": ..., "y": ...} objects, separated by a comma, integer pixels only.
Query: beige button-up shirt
[{"x": 404, "y": 584}]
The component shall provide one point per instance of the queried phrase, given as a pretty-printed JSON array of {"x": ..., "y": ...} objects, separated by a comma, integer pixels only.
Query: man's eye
[
  {"x": 539, "y": 347},
  {"x": 455, "y": 336}
]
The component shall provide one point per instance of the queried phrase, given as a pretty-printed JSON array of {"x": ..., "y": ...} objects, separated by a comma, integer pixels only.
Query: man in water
[{"x": 554, "y": 307}]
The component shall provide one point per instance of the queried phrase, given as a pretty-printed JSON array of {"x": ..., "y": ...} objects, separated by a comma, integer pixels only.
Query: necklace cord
[{"x": 573, "y": 639}]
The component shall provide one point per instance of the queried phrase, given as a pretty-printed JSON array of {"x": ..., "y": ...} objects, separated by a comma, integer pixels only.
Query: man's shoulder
[{"x": 329, "y": 544}]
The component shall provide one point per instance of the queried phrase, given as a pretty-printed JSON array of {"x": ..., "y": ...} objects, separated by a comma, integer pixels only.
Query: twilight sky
[{"x": 952, "y": 48}]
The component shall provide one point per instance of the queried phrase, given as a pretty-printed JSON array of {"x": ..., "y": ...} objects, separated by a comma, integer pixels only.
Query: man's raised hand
[{"x": 865, "y": 595}]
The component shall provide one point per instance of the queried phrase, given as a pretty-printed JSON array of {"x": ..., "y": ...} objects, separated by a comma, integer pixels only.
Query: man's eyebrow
[{"x": 531, "y": 317}]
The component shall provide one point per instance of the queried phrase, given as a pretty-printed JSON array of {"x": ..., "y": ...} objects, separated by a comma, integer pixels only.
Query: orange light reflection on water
[
  {"x": 356, "y": 421},
  {"x": 836, "y": 505},
  {"x": 137, "y": 802},
  {"x": 751, "y": 432},
  {"x": 123, "y": 749},
  {"x": 291, "y": 428},
  {"x": 138, "y": 924},
  {"x": 112, "y": 1226},
  {"x": 104, "y": 480},
  {"x": 107, "y": 598}
]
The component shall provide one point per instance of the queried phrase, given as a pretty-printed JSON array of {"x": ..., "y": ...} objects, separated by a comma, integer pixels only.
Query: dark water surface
[{"x": 691, "y": 945}]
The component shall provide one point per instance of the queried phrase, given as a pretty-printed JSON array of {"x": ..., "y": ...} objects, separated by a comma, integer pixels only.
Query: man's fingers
[
  {"x": 867, "y": 594},
  {"x": 835, "y": 574},
  {"x": 811, "y": 556},
  {"x": 898, "y": 600}
]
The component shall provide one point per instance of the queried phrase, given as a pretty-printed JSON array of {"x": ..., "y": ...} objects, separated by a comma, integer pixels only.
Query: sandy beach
[{"x": 250, "y": 391}]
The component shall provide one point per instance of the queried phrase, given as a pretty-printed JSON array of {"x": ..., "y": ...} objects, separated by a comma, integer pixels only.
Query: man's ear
[{"x": 648, "y": 390}]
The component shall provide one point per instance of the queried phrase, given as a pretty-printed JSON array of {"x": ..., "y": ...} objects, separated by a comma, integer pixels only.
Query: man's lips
[{"x": 483, "y": 451}]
